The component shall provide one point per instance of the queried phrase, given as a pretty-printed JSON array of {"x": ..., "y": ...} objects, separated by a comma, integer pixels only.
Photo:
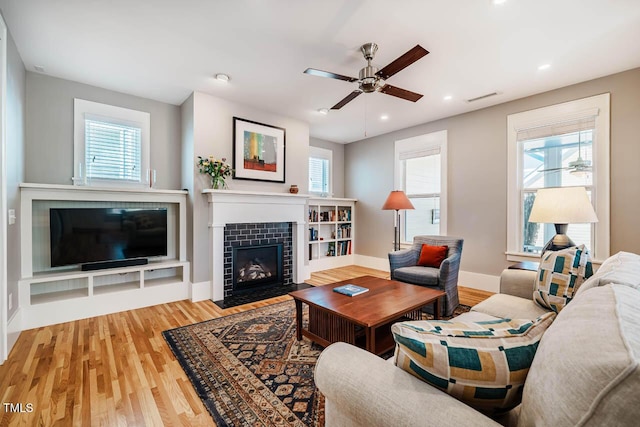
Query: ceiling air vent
[{"x": 478, "y": 98}]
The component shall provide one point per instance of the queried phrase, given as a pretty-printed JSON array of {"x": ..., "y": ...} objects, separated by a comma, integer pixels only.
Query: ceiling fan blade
[
  {"x": 402, "y": 62},
  {"x": 321, "y": 73},
  {"x": 346, "y": 100},
  {"x": 553, "y": 169},
  {"x": 400, "y": 93}
]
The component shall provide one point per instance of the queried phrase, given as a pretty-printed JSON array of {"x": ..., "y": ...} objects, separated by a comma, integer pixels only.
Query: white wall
[
  {"x": 16, "y": 100},
  {"x": 213, "y": 135},
  {"x": 477, "y": 174},
  {"x": 337, "y": 174},
  {"x": 49, "y": 136}
]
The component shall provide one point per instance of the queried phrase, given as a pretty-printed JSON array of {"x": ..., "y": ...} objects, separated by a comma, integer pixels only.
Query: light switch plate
[{"x": 12, "y": 216}]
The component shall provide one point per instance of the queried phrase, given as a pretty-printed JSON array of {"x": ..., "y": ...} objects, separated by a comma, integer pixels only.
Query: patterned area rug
[{"x": 249, "y": 370}]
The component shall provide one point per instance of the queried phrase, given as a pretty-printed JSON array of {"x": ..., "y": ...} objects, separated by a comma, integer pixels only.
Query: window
[
  {"x": 111, "y": 144},
  {"x": 420, "y": 165},
  {"x": 320, "y": 161},
  {"x": 559, "y": 146}
]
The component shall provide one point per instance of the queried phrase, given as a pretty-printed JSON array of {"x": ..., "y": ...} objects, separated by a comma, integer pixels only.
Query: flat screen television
[{"x": 95, "y": 235}]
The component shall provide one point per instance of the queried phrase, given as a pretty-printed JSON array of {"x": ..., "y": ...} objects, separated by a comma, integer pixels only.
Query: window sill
[{"x": 524, "y": 257}]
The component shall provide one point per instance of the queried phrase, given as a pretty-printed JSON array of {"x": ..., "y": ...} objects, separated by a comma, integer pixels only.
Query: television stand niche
[{"x": 53, "y": 295}]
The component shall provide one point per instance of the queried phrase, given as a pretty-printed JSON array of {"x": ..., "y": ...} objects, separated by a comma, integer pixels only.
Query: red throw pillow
[{"x": 432, "y": 256}]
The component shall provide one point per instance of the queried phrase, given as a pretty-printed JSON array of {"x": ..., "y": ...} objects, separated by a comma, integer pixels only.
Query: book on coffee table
[{"x": 350, "y": 290}]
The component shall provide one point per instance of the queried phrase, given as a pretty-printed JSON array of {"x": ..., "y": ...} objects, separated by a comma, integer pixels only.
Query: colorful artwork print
[{"x": 260, "y": 152}]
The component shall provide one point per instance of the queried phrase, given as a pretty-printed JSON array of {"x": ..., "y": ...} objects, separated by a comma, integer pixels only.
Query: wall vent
[{"x": 478, "y": 98}]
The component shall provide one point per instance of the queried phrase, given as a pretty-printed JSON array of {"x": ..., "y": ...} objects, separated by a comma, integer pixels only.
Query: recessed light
[
  {"x": 448, "y": 98},
  {"x": 384, "y": 117},
  {"x": 323, "y": 111},
  {"x": 544, "y": 67},
  {"x": 497, "y": 2},
  {"x": 223, "y": 77}
]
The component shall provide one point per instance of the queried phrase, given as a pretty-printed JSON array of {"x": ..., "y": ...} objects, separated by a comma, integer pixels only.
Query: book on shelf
[{"x": 350, "y": 290}]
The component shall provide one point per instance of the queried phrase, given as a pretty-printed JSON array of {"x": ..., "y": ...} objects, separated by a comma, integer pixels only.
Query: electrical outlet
[
  {"x": 12, "y": 216},
  {"x": 10, "y": 301}
]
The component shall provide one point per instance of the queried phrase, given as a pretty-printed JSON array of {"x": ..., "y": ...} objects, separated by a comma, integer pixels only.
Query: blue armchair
[{"x": 404, "y": 268}]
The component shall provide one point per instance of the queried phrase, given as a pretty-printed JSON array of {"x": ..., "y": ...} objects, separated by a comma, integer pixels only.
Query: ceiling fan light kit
[{"x": 371, "y": 79}]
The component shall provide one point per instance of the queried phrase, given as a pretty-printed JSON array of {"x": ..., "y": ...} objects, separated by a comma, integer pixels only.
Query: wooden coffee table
[{"x": 364, "y": 320}]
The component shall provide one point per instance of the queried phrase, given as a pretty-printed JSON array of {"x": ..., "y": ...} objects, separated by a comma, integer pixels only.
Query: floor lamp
[{"x": 397, "y": 200}]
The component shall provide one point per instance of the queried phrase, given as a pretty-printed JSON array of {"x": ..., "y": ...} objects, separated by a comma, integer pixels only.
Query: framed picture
[
  {"x": 435, "y": 216},
  {"x": 258, "y": 151}
]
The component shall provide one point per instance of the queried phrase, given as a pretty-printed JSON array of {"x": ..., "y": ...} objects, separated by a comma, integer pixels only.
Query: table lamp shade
[
  {"x": 563, "y": 205},
  {"x": 397, "y": 200}
]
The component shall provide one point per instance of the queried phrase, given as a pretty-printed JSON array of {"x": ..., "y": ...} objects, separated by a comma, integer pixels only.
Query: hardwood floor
[{"x": 117, "y": 369}]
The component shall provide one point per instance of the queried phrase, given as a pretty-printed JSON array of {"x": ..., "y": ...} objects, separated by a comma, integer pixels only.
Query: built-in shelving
[
  {"x": 49, "y": 295},
  {"x": 331, "y": 232}
]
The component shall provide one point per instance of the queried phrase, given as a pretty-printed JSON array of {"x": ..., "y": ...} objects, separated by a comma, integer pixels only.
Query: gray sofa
[{"x": 585, "y": 371}]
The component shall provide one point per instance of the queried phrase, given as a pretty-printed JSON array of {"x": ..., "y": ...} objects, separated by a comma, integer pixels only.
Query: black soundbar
[{"x": 114, "y": 264}]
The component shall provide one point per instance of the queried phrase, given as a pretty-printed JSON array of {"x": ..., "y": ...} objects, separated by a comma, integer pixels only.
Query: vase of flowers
[{"x": 218, "y": 170}]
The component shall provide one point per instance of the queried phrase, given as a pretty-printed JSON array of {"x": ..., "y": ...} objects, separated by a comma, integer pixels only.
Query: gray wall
[
  {"x": 16, "y": 88},
  {"x": 337, "y": 174},
  {"x": 213, "y": 135},
  {"x": 477, "y": 173},
  {"x": 50, "y": 129}
]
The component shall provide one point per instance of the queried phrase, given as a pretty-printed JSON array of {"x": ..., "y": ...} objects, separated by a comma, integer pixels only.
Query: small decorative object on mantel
[
  {"x": 293, "y": 189},
  {"x": 218, "y": 170}
]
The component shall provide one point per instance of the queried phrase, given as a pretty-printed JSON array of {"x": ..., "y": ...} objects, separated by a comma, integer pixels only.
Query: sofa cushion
[
  {"x": 432, "y": 256},
  {"x": 426, "y": 276},
  {"x": 560, "y": 274},
  {"x": 586, "y": 368},
  {"x": 483, "y": 364},
  {"x": 502, "y": 305},
  {"x": 622, "y": 268}
]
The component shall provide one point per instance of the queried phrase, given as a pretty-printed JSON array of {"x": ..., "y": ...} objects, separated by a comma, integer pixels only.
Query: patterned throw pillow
[
  {"x": 560, "y": 275},
  {"x": 484, "y": 364}
]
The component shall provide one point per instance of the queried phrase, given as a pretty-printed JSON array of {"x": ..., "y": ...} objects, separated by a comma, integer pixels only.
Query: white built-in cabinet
[
  {"x": 331, "y": 233},
  {"x": 53, "y": 295}
]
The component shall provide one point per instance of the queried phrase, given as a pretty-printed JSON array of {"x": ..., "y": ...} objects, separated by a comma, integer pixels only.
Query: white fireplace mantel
[{"x": 235, "y": 207}]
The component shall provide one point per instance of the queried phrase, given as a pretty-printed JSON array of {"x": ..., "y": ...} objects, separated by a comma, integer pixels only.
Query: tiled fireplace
[
  {"x": 256, "y": 255},
  {"x": 247, "y": 219}
]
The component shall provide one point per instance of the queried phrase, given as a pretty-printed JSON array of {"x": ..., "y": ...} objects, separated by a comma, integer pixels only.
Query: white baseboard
[
  {"x": 372, "y": 262},
  {"x": 468, "y": 279},
  {"x": 483, "y": 282},
  {"x": 200, "y": 291}
]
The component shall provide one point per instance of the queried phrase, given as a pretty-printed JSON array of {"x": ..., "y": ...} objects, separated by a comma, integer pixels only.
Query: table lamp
[
  {"x": 562, "y": 206},
  {"x": 397, "y": 200}
]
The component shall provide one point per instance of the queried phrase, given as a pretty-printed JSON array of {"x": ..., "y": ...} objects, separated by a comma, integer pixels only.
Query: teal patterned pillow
[
  {"x": 484, "y": 364},
  {"x": 560, "y": 275}
]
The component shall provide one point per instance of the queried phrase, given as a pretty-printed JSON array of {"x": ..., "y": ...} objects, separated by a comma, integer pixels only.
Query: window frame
[
  {"x": 323, "y": 154},
  {"x": 597, "y": 106},
  {"x": 111, "y": 114},
  {"x": 425, "y": 142}
]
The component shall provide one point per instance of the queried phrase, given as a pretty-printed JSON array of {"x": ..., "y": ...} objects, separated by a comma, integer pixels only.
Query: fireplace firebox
[{"x": 257, "y": 266}]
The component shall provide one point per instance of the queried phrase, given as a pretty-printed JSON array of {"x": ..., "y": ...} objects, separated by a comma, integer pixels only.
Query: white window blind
[
  {"x": 318, "y": 175},
  {"x": 556, "y": 129},
  {"x": 113, "y": 151},
  {"x": 111, "y": 145}
]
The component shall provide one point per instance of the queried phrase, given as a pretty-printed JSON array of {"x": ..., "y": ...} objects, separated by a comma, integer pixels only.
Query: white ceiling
[{"x": 166, "y": 49}]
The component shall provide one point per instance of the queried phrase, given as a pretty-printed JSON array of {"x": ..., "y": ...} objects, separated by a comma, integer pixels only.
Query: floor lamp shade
[
  {"x": 562, "y": 206},
  {"x": 395, "y": 201}
]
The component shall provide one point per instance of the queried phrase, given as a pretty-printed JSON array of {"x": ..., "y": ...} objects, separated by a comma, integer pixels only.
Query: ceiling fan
[
  {"x": 373, "y": 80},
  {"x": 579, "y": 166}
]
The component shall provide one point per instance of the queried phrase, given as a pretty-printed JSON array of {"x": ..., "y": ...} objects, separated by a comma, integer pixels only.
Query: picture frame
[
  {"x": 258, "y": 151},
  {"x": 435, "y": 216}
]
